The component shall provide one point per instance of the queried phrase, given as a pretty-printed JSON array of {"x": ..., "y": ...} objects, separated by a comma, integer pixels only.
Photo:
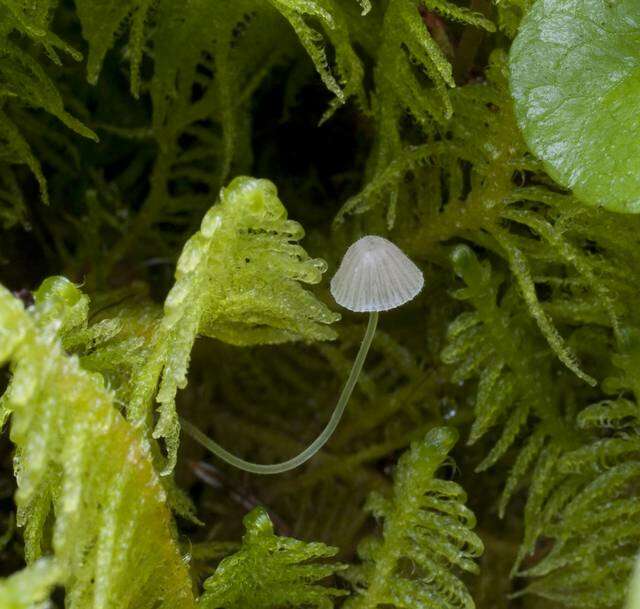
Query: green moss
[{"x": 170, "y": 285}]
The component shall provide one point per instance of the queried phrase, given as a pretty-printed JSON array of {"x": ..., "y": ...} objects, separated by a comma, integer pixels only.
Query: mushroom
[{"x": 374, "y": 275}]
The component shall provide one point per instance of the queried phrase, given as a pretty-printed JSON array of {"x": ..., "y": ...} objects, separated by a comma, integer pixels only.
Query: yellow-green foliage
[
  {"x": 30, "y": 588},
  {"x": 633, "y": 599},
  {"x": 510, "y": 12},
  {"x": 238, "y": 280},
  {"x": 392, "y": 117},
  {"x": 209, "y": 61},
  {"x": 271, "y": 571},
  {"x": 426, "y": 534},
  {"x": 582, "y": 473},
  {"x": 101, "y": 21},
  {"x": 87, "y": 490},
  {"x": 329, "y": 13},
  {"x": 589, "y": 504},
  {"x": 406, "y": 52},
  {"x": 26, "y": 83},
  {"x": 493, "y": 344}
]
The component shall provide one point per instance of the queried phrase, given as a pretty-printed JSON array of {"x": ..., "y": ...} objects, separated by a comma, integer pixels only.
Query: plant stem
[{"x": 318, "y": 443}]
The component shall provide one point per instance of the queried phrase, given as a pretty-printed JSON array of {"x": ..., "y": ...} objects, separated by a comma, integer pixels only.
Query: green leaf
[{"x": 575, "y": 78}]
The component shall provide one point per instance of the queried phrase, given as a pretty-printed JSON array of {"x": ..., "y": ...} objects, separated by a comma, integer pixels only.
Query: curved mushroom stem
[{"x": 318, "y": 443}]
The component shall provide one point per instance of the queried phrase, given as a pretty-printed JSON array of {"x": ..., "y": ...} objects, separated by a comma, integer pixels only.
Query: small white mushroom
[{"x": 375, "y": 275}]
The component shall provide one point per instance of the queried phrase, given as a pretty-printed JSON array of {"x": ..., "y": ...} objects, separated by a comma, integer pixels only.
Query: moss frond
[
  {"x": 412, "y": 76},
  {"x": 238, "y": 280},
  {"x": 390, "y": 118},
  {"x": 589, "y": 506},
  {"x": 29, "y": 588},
  {"x": 27, "y": 84},
  {"x": 87, "y": 489},
  {"x": 426, "y": 536},
  {"x": 102, "y": 21},
  {"x": 270, "y": 571}
]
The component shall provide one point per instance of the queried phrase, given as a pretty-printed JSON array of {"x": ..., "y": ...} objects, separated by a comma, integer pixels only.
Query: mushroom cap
[{"x": 375, "y": 275}]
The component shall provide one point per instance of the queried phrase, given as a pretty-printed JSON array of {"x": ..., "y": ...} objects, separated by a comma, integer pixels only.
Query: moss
[{"x": 169, "y": 283}]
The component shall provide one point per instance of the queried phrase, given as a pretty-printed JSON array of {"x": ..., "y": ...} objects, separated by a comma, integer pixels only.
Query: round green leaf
[{"x": 575, "y": 79}]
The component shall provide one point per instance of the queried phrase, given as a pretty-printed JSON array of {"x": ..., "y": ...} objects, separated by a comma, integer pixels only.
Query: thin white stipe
[{"x": 375, "y": 275}]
